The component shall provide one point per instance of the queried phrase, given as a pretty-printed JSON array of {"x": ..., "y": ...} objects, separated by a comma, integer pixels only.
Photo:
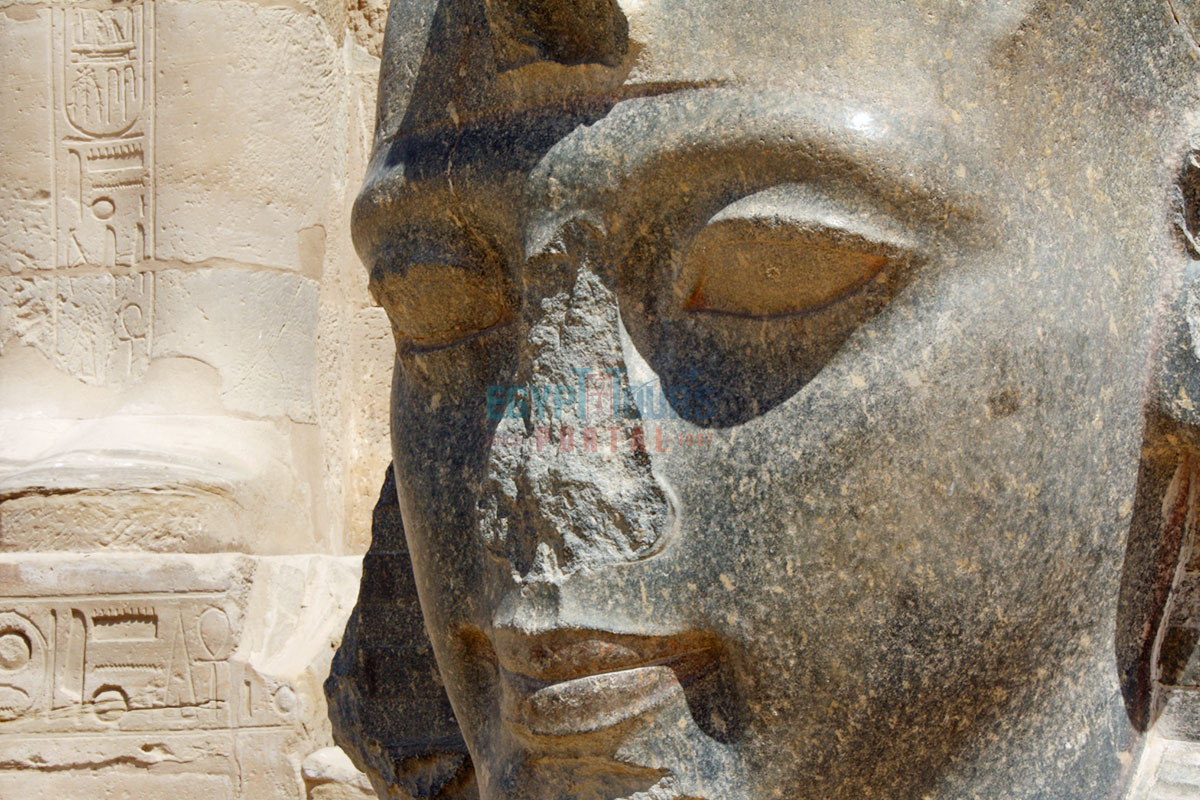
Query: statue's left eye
[
  {"x": 768, "y": 268},
  {"x": 763, "y": 294},
  {"x": 786, "y": 251}
]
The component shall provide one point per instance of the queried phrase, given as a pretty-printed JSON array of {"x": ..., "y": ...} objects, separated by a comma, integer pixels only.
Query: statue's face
[{"x": 877, "y": 288}]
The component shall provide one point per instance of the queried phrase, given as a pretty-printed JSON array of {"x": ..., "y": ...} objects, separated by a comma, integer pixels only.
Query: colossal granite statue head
[{"x": 776, "y": 408}]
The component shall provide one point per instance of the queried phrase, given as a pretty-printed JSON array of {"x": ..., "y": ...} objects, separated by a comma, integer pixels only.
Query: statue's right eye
[{"x": 433, "y": 305}]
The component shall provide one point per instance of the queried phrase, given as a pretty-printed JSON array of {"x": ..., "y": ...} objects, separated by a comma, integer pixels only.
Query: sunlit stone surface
[
  {"x": 792, "y": 400},
  {"x": 192, "y": 422}
]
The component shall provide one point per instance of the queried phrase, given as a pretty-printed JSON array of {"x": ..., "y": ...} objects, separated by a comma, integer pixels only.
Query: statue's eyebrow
[
  {"x": 719, "y": 134},
  {"x": 912, "y": 164}
]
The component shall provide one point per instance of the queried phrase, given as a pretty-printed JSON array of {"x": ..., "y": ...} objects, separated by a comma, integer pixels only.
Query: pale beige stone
[
  {"x": 114, "y": 784},
  {"x": 120, "y": 673},
  {"x": 330, "y": 775},
  {"x": 249, "y": 141},
  {"x": 257, "y": 329},
  {"x": 175, "y": 275},
  {"x": 354, "y": 348},
  {"x": 251, "y": 326},
  {"x": 1169, "y": 769},
  {"x": 159, "y": 482},
  {"x": 26, "y": 226},
  {"x": 103, "y": 76},
  {"x": 97, "y": 328}
]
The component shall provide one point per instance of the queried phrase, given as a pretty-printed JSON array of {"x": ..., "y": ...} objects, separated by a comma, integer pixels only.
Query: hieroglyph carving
[
  {"x": 103, "y": 74},
  {"x": 144, "y": 662},
  {"x": 98, "y": 328}
]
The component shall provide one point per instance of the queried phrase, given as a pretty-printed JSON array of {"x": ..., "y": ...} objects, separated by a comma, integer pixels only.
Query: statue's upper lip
[
  {"x": 573, "y": 681},
  {"x": 563, "y": 654}
]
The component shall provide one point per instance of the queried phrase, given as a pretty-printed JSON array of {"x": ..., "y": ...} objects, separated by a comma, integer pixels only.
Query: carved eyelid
[
  {"x": 813, "y": 250},
  {"x": 437, "y": 296}
]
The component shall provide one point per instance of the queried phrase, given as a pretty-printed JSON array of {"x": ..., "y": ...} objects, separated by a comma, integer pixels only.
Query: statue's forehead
[
  {"x": 446, "y": 60},
  {"x": 843, "y": 42}
]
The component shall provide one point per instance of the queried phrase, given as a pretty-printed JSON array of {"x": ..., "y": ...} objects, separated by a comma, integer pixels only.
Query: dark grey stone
[
  {"x": 392, "y": 714},
  {"x": 790, "y": 400}
]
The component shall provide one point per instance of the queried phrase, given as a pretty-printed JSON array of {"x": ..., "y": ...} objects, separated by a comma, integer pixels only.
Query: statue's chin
[{"x": 626, "y": 735}]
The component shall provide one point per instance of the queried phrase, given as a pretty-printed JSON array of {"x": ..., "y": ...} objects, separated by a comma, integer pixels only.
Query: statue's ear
[{"x": 1158, "y": 618}]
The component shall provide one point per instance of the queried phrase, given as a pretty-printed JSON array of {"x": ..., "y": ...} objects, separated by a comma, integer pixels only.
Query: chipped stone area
[
  {"x": 253, "y": 328},
  {"x": 181, "y": 676},
  {"x": 366, "y": 19}
]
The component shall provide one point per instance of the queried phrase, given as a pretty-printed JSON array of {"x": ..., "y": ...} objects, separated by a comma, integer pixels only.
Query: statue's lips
[{"x": 571, "y": 682}]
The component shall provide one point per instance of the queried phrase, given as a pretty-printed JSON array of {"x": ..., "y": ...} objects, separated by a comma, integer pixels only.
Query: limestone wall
[{"x": 193, "y": 390}]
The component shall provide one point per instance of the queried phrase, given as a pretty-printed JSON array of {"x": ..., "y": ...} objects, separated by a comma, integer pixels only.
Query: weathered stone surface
[
  {"x": 366, "y": 21},
  {"x": 769, "y": 410},
  {"x": 149, "y": 676},
  {"x": 241, "y": 166},
  {"x": 27, "y": 226},
  {"x": 174, "y": 253},
  {"x": 789, "y": 400},
  {"x": 1170, "y": 770},
  {"x": 255, "y": 329},
  {"x": 165, "y": 483},
  {"x": 329, "y": 775}
]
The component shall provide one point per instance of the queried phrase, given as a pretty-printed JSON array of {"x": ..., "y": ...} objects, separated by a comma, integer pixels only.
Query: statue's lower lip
[{"x": 596, "y": 702}]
